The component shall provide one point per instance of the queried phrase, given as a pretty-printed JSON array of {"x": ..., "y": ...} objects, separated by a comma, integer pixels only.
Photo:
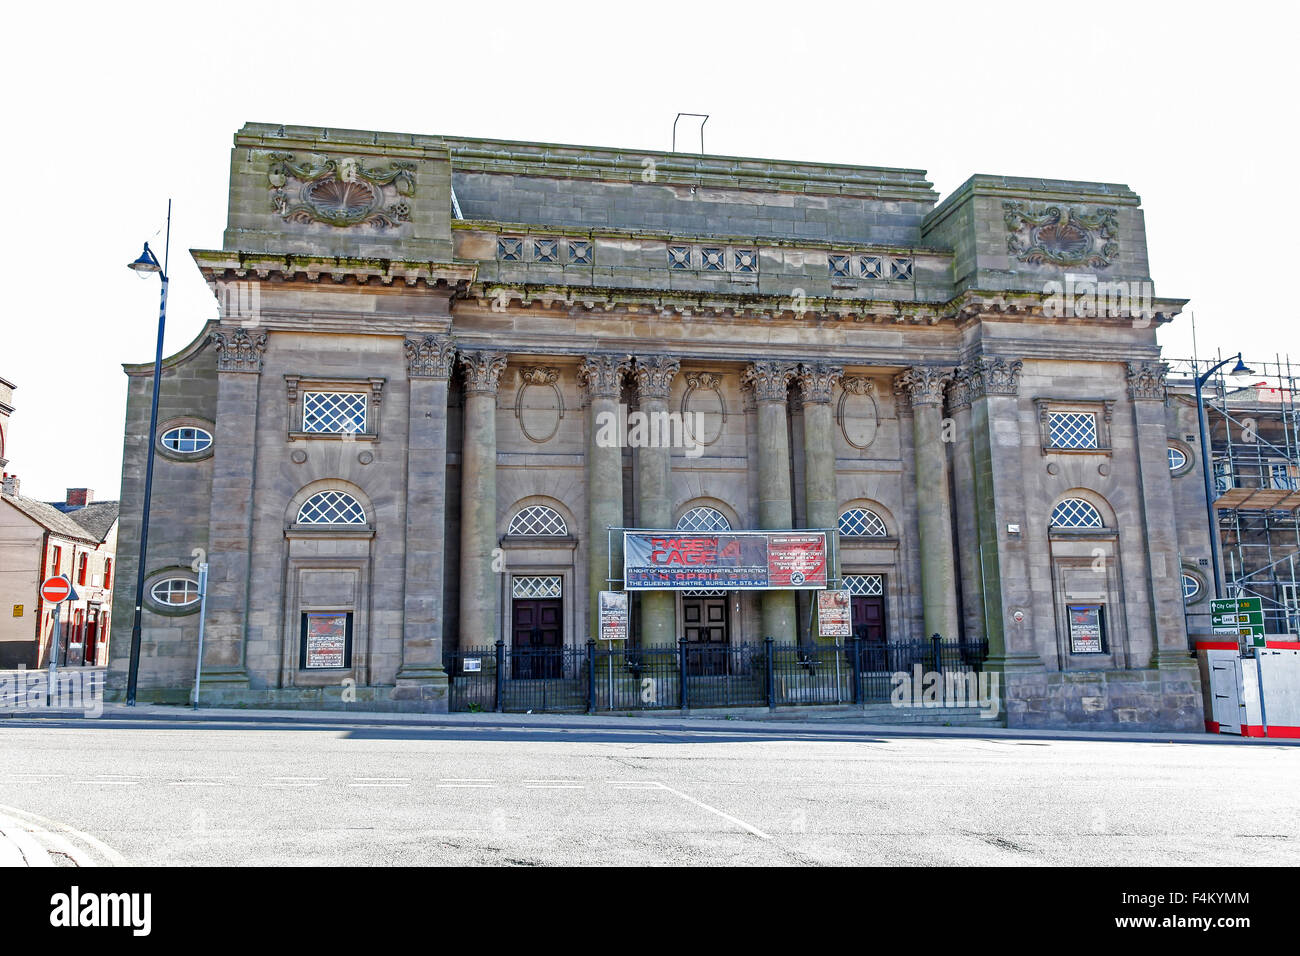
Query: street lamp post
[
  {"x": 144, "y": 265},
  {"x": 1240, "y": 369}
]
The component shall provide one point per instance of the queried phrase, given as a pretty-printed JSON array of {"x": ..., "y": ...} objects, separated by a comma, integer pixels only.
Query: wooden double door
[
  {"x": 706, "y": 625},
  {"x": 537, "y": 637}
]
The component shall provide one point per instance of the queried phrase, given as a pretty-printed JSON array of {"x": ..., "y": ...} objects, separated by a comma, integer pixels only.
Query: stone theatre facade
[{"x": 389, "y": 437}]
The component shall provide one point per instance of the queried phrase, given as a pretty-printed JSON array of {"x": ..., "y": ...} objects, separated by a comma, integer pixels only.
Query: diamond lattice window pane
[
  {"x": 331, "y": 507},
  {"x": 334, "y": 413},
  {"x": 1076, "y": 513},
  {"x": 865, "y": 585},
  {"x": 537, "y": 586},
  {"x": 703, "y": 593},
  {"x": 538, "y": 520},
  {"x": 1072, "y": 430},
  {"x": 1176, "y": 459},
  {"x": 862, "y": 523},
  {"x": 703, "y": 519}
]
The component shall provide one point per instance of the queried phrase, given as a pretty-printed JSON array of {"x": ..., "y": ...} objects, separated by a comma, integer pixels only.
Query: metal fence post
[
  {"x": 591, "y": 677},
  {"x": 855, "y": 649},
  {"x": 501, "y": 672},
  {"x": 681, "y": 673},
  {"x": 938, "y": 658},
  {"x": 771, "y": 681}
]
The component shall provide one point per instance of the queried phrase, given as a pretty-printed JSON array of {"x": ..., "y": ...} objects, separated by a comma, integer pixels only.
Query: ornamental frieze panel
[
  {"x": 239, "y": 350},
  {"x": 341, "y": 192},
  {"x": 1061, "y": 235},
  {"x": 433, "y": 356}
]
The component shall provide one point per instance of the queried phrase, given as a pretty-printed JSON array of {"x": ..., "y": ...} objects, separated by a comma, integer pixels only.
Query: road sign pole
[
  {"x": 203, "y": 608},
  {"x": 1259, "y": 681},
  {"x": 54, "y": 658}
]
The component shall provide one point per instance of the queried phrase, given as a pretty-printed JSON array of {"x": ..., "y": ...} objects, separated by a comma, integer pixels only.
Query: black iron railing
[{"x": 755, "y": 674}]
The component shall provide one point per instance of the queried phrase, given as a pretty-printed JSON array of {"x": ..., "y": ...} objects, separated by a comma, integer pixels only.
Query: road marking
[
  {"x": 32, "y": 853},
  {"x": 196, "y": 783},
  {"x": 465, "y": 779},
  {"x": 554, "y": 786},
  {"x": 53, "y": 826},
  {"x": 467, "y": 786},
  {"x": 109, "y": 783},
  {"x": 726, "y": 816}
]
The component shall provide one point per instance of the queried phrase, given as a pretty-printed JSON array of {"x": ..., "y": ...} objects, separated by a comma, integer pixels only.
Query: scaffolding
[{"x": 1254, "y": 439}]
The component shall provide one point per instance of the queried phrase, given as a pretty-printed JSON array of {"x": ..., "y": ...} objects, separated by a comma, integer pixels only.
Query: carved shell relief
[
  {"x": 341, "y": 192},
  {"x": 1061, "y": 235}
]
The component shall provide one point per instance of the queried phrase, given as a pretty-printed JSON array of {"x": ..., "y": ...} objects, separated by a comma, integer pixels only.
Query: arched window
[
  {"x": 703, "y": 519},
  {"x": 538, "y": 521},
  {"x": 331, "y": 507},
  {"x": 1076, "y": 513},
  {"x": 862, "y": 523}
]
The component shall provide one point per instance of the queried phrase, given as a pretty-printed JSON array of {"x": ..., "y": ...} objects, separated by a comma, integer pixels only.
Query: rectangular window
[
  {"x": 334, "y": 413},
  {"x": 56, "y": 559},
  {"x": 1072, "y": 430},
  {"x": 326, "y": 640}
]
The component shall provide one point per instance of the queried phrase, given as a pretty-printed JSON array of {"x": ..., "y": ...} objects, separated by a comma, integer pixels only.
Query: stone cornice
[
  {"x": 431, "y": 356},
  {"x": 654, "y": 375},
  {"x": 239, "y": 350},
  {"x": 769, "y": 381},
  {"x": 1146, "y": 381},
  {"x": 217, "y": 266},
  {"x": 816, "y": 380},
  {"x": 602, "y": 375},
  {"x": 924, "y": 384},
  {"x": 482, "y": 371}
]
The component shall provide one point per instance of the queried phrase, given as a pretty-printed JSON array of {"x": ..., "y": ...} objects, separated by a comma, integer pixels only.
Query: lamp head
[
  {"x": 1241, "y": 368},
  {"x": 147, "y": 262}
]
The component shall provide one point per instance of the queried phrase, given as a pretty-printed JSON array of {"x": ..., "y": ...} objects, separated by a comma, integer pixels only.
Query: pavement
[{"x": 171, "y": 786}]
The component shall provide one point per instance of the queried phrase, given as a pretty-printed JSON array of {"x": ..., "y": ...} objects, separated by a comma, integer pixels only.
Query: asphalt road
[{"x": 107, "y": 792}]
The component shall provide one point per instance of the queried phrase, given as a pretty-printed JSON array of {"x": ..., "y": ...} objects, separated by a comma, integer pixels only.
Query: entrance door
[
  {"x": 705, "y": 625},
  {"x": 537, "y": 637},
  {"x": 868, "y": 618},
  {"x": 92, "y": 633}
]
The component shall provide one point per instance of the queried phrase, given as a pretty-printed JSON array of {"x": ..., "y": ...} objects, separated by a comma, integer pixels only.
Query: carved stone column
[
  {"x": 925, "y": 385},
  {"x": 1146, "y": 389},
  {"x": 816, "y": 380},
  {"x": 654, "y": 379},
  {"x": 602, "y": 377},
  {"x": 1000, "y": 502},
  {"x": 430, "y": 361},
  {"x": 239, "y": 373},
  {"x": 769, "y": 382},
  {"x": 478, "y": 508},
  {"x": 963, "y": 493}
]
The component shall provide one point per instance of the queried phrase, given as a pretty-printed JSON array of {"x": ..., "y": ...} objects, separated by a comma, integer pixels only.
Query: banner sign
[
  {"x": 1085, "y": 628},
  {"x": 1240, "y": 617},
  {"x": 326, "y": 641},
  {"x": 613, "y": 615},
  {"x": 834, "y": 614},
  {"x": 729, "y": 561}
]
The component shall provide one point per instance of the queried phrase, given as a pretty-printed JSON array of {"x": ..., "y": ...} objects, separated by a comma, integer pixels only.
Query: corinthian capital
[
  {"x": 924, "y": 384},
  {"x": 959, "y": 388},
  {"x": 602, "y": 375},
  {"x": 482, "y": 371},
  {"x": 431, "y": 356},
  {"x": 654, "y": 375},
  {"x": 769, "y": 380},
  {"x": 816, "y": 380},
  {"x": 990, "y": 375},
  {"x": 1146, "y": 381},
  {"x": 239, "y": 350}
]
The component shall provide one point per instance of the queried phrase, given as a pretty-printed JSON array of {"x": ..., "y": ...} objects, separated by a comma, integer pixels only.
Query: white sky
[{"x": 110, "y": 109}]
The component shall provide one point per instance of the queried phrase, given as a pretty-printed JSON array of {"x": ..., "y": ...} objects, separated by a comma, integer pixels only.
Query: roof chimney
[
  {"x": 79, "y": 497},
  {"x": 10, "y": 486}
]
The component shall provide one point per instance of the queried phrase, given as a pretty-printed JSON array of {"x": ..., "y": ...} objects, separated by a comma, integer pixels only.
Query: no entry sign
[{"x": 56, "y": 589}]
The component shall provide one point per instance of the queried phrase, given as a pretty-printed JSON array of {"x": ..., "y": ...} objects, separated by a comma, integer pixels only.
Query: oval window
[
  {"x": 186, "y": 439},
  {"x": 1176, "y": 458},
  {"x": 175, "y": 592}
]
